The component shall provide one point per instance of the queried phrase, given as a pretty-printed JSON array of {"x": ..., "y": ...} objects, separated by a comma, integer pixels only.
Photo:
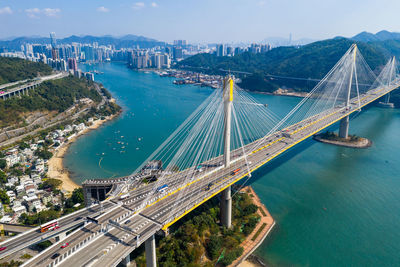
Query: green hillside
[
  {"x": 16, "y": 69},
  {"x": 310, "y": 61},
  {"x": 52, "y": 95}
]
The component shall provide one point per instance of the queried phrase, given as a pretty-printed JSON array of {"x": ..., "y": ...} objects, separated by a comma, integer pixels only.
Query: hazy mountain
[
  {"x": 281, "y": 41},
  {"x": 379, "y": 36},
  {"x": 129, "y": 40}
]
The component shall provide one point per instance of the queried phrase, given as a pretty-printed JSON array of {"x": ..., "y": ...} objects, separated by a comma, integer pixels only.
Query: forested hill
[
  {"x": 310, "y": 61},
  {"x": 16, "y": 69}
]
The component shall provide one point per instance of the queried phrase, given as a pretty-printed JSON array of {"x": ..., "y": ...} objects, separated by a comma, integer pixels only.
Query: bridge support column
[
  {"x": 61, "y": 236},
  {"x": 226, "y": 208},
  {"x": 87, "y": 193},
  {"x": 344, "y": 127},
  {"x": 127, "y": 260},
  {"x": 150, "y": 247},
  {"x": 226, "y": 201}
]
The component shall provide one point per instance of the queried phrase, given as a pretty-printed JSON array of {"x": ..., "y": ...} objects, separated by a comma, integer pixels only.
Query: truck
[
  {"x": 162, "y": 188},
  {"x": 235, "y": 172}
]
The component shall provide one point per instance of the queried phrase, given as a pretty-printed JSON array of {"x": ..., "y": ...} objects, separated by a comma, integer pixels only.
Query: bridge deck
[{"x": 161, "y": 212}]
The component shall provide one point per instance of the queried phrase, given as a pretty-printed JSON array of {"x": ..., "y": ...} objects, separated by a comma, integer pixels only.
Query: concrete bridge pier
[
  {"x": 61, "y": 236},
  {"x": 226, "y": 208},
  {"x": 150, "y": 247},
  {"x": 127, "y": 260},
  {"x": 344, "y": 127}
]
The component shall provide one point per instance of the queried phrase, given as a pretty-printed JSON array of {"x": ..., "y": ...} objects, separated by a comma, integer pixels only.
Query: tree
[
  {"x": 51, "y": 183},
  {"x": 77, "y": 196},
  {"x": 214, "y": 246},
  {"x": 4, "y": 197},
  {"x": 44, "y": 154},
  {"x": 3, "y": 177},
  {"x": 23, "y": 145},
  {"x": 3, "y": 163}
]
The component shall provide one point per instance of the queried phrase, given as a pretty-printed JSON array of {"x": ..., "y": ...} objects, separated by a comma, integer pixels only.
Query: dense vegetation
[
  {"x": 199, "y": 234},
  {"x": 335, "y": 137},
  {"x": 16, "y": 69},
  {"x": 54, "y": 95}
]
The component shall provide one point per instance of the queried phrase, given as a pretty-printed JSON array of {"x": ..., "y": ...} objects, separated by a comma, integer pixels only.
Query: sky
[{"x": 199, "y": 21}]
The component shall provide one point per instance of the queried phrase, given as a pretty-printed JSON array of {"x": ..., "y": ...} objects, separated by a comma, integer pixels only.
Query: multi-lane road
[{"x": 146, "y": 211}]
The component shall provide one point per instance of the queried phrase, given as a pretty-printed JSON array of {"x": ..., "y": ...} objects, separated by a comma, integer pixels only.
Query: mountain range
[
  {"x": 129, "y": 40},
  {"x": 379, "y": 36}
]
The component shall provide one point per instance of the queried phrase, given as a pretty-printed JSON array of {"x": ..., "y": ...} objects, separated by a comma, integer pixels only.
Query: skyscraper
[
  {"x": 54, "y": 51},
  {"x": 220, "y": 50},
  {"x": 53, "y": 40},
  {"x": 72, "y": 64}
]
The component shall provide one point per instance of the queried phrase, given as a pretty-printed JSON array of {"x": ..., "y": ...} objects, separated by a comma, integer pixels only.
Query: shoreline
[
  {"x": 260, "y": 232},
  {"x": 56, "y": 168}
]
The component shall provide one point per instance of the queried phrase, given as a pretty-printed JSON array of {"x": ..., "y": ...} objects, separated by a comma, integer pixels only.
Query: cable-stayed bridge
[{"x": 224, "y": 140}]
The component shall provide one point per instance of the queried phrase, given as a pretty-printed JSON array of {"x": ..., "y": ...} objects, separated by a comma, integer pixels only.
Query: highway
[
  {"x": 149, "y": 211},
  {"x": 33, "y": 236}
]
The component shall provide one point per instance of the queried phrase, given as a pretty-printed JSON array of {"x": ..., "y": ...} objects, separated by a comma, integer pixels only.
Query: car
[
  {"x": 55, "y": 255},
  {"x": 64, "y": 245},
  {"x": 128, "y": 221},
  {"x": 2, "y": 248}
]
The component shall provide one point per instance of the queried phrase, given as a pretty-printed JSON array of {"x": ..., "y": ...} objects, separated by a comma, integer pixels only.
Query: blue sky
[{"x": 199, "y": 20}]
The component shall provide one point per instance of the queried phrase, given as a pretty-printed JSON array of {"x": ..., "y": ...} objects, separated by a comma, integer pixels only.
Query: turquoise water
[{"x": 333, "y": 206}]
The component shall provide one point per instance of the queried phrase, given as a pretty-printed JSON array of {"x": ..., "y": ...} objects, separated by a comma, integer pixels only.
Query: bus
[
  {"x": 50, "y": 226},
  {"x": 162, "y": 188},
  {"x": 235, "y": 172}
]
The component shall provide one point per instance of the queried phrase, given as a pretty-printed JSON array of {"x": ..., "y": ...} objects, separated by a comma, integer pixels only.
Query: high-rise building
[
  {"x": 54, "y": 51},
  {"x": 229, "y": 51},
  {"x": 181, "y": 43},
  {"x": 238, "y": 50},
  {"x": 178, "y": 52},
  {"x": 157, "y": 61},
  {"x": 220, "y": 50},
  {"x": 72, "y": 64},
  {"x": 167, "y": 61},
  {"x": 53, "y": 40}
]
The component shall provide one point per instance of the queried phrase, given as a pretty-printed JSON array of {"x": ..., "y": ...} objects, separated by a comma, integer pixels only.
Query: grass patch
[
  {"x": 258, "y": 232},
  {"x": 26, "y": 256},
  {"x": 262, "y": 211}
]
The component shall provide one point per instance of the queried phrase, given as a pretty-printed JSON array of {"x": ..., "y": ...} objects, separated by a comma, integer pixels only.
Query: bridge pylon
[
  {"x": 226, "y": 200},
  {"x": 344, "y": 123}
]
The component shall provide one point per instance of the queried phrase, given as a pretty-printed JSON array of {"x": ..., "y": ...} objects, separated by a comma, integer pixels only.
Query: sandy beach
[{"x": 55, "y": 164}]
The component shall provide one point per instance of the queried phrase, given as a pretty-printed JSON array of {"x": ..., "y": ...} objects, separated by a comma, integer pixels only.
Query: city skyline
[{"x": 236, "y": 21}]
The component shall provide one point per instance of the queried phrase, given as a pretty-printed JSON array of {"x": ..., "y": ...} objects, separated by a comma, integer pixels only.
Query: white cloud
[
  {"x": 138, "y": 5},
  {"x": 51, "y": 12},
  {"x": 35, "y": 12},
  {"x": 5, "y": 10},
  {"x": 154, "y": 4},
  {"x": 103, "y": 9}
]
